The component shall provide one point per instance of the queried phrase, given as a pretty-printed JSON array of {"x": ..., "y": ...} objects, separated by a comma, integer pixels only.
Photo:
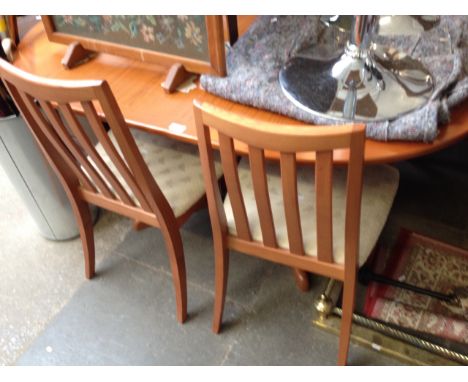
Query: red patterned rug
[{"x": 428, "y": 264}]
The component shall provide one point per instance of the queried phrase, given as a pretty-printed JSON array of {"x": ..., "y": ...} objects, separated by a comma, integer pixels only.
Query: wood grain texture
[
  {"x": 291, "y": 204},
  {"x": 229, "y": 162},
  {"x": 323, "y": 204},
  {"x": 262, "y": 196}
]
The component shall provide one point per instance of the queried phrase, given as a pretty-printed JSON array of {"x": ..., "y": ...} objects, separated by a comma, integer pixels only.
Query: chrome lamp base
[{"x": 363, "y": 83}]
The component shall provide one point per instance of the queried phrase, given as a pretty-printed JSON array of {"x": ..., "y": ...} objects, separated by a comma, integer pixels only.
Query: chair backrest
[
  {"x": 285, "y": 141},
  {"x": 46, "y": 105}
]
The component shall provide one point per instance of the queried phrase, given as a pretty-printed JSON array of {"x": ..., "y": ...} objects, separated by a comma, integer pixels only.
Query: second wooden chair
[{"x": 271, "y": 212}]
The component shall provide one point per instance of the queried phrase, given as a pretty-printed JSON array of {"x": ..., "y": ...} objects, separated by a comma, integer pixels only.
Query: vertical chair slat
[
  {"x": 87, "y": 145},
  {"x": 121, "y": 166},
  {"x": 291, "y": 204},
  {"x": 213, "y": 193},
  {"x": 51, "y": 135},
  {"x": 323, "y": 204},
  {"x": 353, "y": 201},
  {"x": 229, "y": 162},
  {"x": 76, "y": 150},
  {"x": 262, "y": 196}
]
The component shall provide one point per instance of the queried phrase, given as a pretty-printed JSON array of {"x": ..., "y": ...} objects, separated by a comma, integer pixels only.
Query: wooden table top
[{"x": 144, "y": 104}]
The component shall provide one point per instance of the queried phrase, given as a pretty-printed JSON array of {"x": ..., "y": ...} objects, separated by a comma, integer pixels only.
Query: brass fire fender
[{"x": 381, "y": 337}]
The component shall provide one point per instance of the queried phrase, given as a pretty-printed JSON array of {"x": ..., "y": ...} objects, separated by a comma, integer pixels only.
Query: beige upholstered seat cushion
[
  {"x": 175, "y": 166},
  {"x": 379, "y": 188}
]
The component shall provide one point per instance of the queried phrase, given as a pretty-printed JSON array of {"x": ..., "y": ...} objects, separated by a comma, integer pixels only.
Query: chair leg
[
  {"x": 85, "y": 224},
  {"x": 175, "y": 251},
  {"x": 221, "y": 278},
  {"x": 346, "y": 319},
  {"x": 302, "y": 280},
  {"x": 138, "y": 226}
]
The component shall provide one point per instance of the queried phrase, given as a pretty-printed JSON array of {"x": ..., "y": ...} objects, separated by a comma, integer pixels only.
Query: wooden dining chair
[
  {"x": 270, "y": 210},
  {"x": 153, "y": 180}
]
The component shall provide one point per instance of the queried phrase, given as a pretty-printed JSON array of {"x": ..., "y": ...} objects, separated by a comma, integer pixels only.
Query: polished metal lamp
[{"x": 364, "y": 82}]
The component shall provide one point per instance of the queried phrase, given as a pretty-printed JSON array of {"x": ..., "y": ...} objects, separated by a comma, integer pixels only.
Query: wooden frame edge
[{"x": 214, "y": 28}]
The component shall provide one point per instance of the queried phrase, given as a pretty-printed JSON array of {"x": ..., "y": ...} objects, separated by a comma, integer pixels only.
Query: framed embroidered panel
[{"x": 197, "y": 42}]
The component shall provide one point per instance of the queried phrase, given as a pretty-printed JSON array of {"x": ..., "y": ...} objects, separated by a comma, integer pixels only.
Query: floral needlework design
[{"x": 178, "y": 35}]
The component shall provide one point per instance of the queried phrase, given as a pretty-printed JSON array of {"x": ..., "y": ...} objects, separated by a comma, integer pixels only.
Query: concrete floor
[{"x": 50, "y": 315}]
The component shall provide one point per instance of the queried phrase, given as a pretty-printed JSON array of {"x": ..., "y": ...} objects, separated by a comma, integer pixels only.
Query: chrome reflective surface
[
  {"x": 362, "y": 83},
  {"x": 388, "y": 25},
  {"x": 406, "y": 25}
]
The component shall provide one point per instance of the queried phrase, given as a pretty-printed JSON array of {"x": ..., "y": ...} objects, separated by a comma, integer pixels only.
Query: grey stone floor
[{"x": 50, "y": 315}]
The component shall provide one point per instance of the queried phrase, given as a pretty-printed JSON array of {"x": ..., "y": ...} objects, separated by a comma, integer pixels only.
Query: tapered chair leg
[
  {"x": 85, "y": 224},
  {"x": 175, "y": 251},
  {"x": 138, "y": 226},
  {"x": 221, "y": 278},
  {"x": 346, "y": 320},
  {"x": 302, "y": 280}
]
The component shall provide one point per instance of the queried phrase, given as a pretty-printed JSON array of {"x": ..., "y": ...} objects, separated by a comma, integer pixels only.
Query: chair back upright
[
  {"x": 49, "y": 108},
  {"x": 285, "y": 142}
]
